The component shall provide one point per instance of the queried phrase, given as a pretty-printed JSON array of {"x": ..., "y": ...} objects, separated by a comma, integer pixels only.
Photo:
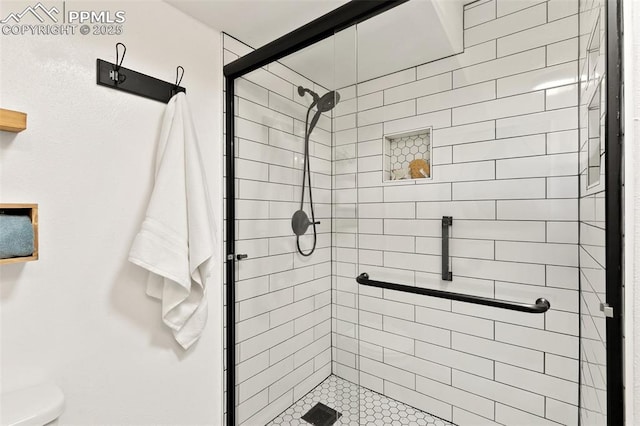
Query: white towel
[{"x": 176, "y": 240}]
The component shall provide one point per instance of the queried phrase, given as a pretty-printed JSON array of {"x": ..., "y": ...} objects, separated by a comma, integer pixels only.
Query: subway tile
[
  {"x": 497, "y": 270},
  {"x": 388, "y": 372},
  {"x": 367, "y": 148},
  {"x": 512, "y": 416},
  {"x": 538, "y": 209},
  {"x": 498, "y": 351},
  {"x": 500, "y": 189},
  {"x": 542, "y": 384},
  {"x": 409, "y": 193},
  {"x": 251, "y": 170},
  {"x": 541, "y": 340},
  {"x": 384, "y": 82},
  {"x": 428, "y": 302},
  {"x": 387, "y": 242},
  {"x": 499, "y": 392},
  {"x": 264, "y": 341},
  {"x": 372, "y": 100},
  {"x": 386, "y": 307},
  {"x": 562, "y": 277},
  {"x": 479, "y": 14},
  {"x": 502, "y": 67},
  {"x": 563, "y": 51},
  {"x": 252, "y": 366},
  {"x": 562, "y": 412},
  {"x": 562, "y": 97},
  {"x": 387, "y": 210},
  {"x": 265, "y": 303},
  {"x": 424, "y": 228},
  {"x": 419, "y": 366},
  {"x": 524, "y": 146},
  {"x": 366, "y": 133},
  {"x": 562, "y": 232},
  {"x": 480, "y": 170},
  {"x": 410, "y": 261},
  {"x": 246, "y": 289},
  {"x": 265, "y": 116},
  {"x": 540, "y": 166},
  {"x": 462, "y": 134},
  {"x": 345, "y": 107},
  {"x": 562, "y": 322},
  {"x": 270, "y": 81},
  {"x": 454, "y": 322},
  {"x": 264, "y": 153},
  {"x": 470, "y": 56},
  {"x": 386, "y": 113},
  {"x": 252, "y": 405},
  {"x": 499, "y": 230},
  {"x": 287, "y": 107},
  {"x": 559, "y": 142},
  {"x": 479, "y": 249},
  {"x": 562, "y": 187},
  {"x": 457, "y": 209},
  {"x": 442, "y": 155},
  {"x": 245, "y": 89},
  {"x": 344, "y": 122},
  {"x": 393, "y": 341},
  {"x": 541, "y": 253},
  {"x": 505, "y": 25},
  {"x": 550, "y": 121},
  {"x": 560, "y": 299},
  {"x": 455, "y": 359},
  {"x": 263, "y": 379},
  {"x": 464, "y": 285},
  {"x": 247, "y": 129},
  {"x": 437, "y": 120},
  {"x": 552, "y": 32},
  {"x": 413, "y": 330},
  {"x": 497, "y": 314},
  {"x": 499, "y": 108},
  {"x": 506, "y": 7},
  {"x": 463, "y": 417},
  {"x": 416, "y": 89},
  {"x": 539, "y": 79},
  {"x": 251, "y": 268},
  {"x": 476, "y": 404}
]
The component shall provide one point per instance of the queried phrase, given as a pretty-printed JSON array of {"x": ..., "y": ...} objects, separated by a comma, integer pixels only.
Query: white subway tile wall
[
  {"x": 283, "y": 308},
  {"x": 505, "y": 160},
  {"x": 593, "y": 397}
]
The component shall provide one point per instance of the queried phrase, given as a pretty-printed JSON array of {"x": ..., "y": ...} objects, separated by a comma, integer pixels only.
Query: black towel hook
[
  {"x": 178, "y": 80},
  {"x": 115, "y": 74},
  {"x": 177, "y": 73}
]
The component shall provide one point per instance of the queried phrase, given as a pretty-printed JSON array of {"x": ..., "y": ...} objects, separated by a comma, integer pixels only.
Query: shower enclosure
[{"x": 423, "y": 217}]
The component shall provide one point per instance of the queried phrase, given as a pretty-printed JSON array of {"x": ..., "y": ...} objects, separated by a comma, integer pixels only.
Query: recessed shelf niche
[
  {"x": 30, "y": 210},
  {"x": 407, "y": 156}
]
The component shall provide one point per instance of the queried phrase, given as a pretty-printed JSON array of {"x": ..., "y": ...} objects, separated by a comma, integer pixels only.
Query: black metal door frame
[{"x": 359, "y": 10}]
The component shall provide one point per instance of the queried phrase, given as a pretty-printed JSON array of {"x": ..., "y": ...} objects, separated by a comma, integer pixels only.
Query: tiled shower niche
[{"x": 407, "y": 156}]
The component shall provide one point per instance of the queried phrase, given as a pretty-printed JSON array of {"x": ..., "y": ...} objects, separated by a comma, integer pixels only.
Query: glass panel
[{"x": 593, "y": 367}]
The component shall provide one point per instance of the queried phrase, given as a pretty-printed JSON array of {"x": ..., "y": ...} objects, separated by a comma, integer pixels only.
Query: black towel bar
[{"x": 541, "y": 305}]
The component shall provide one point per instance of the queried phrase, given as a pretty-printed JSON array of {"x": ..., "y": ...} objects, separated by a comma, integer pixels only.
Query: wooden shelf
[
  {"x": 12, "y": 121},
  {"x": 32, "y": 211}
]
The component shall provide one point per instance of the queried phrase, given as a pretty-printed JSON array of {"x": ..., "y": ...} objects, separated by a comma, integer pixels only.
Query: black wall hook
[
  {"x": 176, "y": 87},
  {"x": 115, "y": 76}
]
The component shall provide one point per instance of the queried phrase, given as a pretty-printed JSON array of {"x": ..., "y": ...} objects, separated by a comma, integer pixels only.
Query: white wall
[{"x": 79, "y": 316}]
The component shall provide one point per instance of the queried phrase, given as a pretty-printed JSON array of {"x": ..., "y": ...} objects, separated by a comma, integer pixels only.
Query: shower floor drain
[{"x": 321, "y": 415}]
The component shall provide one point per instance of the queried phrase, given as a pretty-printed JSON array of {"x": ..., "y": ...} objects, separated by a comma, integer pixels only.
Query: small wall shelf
[
  {"x": 12, "y": 121},
  {"x": 402, "y": 151},
  {"x": 32, "y": 211}
]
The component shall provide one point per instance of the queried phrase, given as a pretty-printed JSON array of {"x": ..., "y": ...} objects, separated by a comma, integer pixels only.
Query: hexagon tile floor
[{"x": 358, "y": 406}]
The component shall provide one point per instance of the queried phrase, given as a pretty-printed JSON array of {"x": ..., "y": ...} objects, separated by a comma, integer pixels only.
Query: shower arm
[{"x": 541, "y": 305}]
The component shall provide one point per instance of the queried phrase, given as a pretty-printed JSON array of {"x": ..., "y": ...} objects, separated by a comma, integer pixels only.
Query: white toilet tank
[{"x": 34, "y": 406}]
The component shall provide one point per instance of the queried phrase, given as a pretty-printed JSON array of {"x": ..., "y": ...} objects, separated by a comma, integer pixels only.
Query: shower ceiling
[{"x": 381, "y": 47}]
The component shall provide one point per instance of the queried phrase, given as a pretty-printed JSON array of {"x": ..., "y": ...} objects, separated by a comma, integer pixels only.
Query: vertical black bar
[
  {"x": 613, "y": 200},
  {"x": 230, "y": 249},
  {"x": 447, "y": 221}
]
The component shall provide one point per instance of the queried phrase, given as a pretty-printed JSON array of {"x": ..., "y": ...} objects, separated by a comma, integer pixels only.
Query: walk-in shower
[
  {"x": 300, "y": 221},
  {"x": 463, "y": 177}
]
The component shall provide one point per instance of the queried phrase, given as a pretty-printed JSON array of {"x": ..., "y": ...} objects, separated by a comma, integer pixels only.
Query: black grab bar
[{"x": 541, "y": 305}]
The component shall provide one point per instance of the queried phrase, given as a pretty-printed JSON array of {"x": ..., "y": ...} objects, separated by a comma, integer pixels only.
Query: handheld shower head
[{"x": 328, "y": 101}]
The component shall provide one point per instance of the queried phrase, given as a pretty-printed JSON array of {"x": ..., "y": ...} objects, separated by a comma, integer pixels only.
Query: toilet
[{"x": 34, "y": 406}]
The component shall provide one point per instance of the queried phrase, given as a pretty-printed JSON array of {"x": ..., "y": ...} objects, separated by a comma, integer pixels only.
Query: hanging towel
[{"x": 176, "y": 239}]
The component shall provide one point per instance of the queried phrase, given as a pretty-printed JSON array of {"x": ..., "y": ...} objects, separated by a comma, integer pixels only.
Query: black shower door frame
[{"x": 360, "y": 10}]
